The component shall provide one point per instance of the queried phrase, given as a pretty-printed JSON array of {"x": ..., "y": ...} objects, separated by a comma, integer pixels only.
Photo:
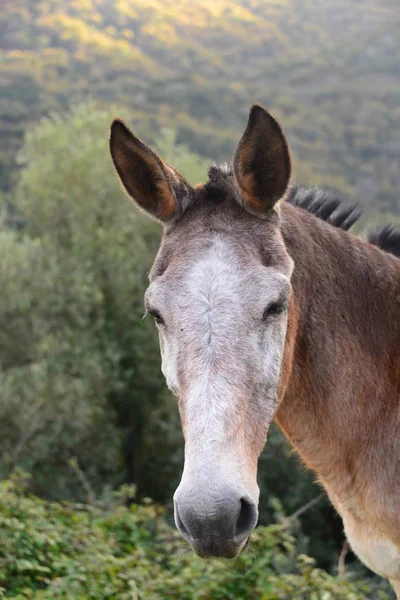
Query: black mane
[
  {"x": 324, "y": 204},
  {"x": 387, "y": 238},
  {"x": 331, "y": 208}
]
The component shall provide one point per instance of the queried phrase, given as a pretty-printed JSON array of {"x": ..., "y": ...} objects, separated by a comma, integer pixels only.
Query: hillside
[{"x": 329, "y": 71}]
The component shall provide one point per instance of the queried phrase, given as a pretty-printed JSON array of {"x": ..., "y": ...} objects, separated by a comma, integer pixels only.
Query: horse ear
[
  {"x": 262, "y": 164},
  {"x": 155, "y": 186}
]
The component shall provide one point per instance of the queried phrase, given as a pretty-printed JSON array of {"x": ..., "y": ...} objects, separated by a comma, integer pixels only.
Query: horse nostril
[
  {"x": 180, "y": 524},
  {"x": 247, "y": 518}
]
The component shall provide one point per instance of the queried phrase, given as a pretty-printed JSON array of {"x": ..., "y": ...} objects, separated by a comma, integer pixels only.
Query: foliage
[
  {"x": 60, "y": 551},
  {"x": 328, "y": 70},
  {"x": 79, "y": 368}
]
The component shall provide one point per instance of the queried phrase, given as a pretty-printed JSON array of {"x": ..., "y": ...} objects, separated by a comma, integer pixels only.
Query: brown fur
[{"x": 341, "y": 408}]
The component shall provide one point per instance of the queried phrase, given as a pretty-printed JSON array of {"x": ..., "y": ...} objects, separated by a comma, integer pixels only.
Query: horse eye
[
  {"x": 274, "y": 309},
  {"x": 157, "y": 317}
]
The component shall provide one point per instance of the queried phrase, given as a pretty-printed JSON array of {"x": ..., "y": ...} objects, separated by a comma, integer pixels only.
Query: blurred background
[{"x": 83, "y": 405}]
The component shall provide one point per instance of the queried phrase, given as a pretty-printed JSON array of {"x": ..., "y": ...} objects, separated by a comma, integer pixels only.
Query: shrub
[{"x": 127, "y": 551}]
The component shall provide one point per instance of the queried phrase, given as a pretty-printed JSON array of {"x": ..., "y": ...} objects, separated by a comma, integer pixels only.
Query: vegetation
[
  {"x": 64, "y": 551},
  {"x": 328, "y": 70},
  {"x": 79, "y": 368}
]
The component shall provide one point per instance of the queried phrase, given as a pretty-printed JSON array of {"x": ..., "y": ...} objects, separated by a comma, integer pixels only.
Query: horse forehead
[
  {"x": 216, "y": 267},
  {"x": 219, "y": 264}
]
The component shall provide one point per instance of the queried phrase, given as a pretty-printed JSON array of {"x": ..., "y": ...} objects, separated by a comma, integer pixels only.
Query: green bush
[{"x": 127, "y": 551}]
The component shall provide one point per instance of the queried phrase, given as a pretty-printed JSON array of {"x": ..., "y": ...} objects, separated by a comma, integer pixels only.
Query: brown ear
[
  {"x": 153, "y": 184},
  {"x": 262, "y": 163}
]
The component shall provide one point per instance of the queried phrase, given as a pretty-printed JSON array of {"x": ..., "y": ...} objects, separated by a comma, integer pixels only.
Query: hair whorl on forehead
[
  {"x": 220, "y": 182},
  {"x": 220, "y": 172}
]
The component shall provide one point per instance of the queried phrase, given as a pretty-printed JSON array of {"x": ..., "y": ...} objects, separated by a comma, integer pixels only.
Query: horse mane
[
  {"x": 334, "y": 210},
  {"x": 323, "y": 204},
  {"x": 387, "y": 238}
]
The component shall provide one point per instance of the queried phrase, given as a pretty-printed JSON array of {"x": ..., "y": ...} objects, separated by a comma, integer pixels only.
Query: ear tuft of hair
[{"x": 387, "y": 238}]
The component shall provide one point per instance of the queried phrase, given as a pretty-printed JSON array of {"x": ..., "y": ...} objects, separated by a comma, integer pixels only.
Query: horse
[{"x": 267, "y": 307}]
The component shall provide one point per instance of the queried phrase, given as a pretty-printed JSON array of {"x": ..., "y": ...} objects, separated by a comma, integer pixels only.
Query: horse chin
[{"x": 217, "y": 547}]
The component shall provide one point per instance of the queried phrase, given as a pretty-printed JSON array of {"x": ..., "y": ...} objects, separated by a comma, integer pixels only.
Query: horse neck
[{"x": 340, "y": 405}]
